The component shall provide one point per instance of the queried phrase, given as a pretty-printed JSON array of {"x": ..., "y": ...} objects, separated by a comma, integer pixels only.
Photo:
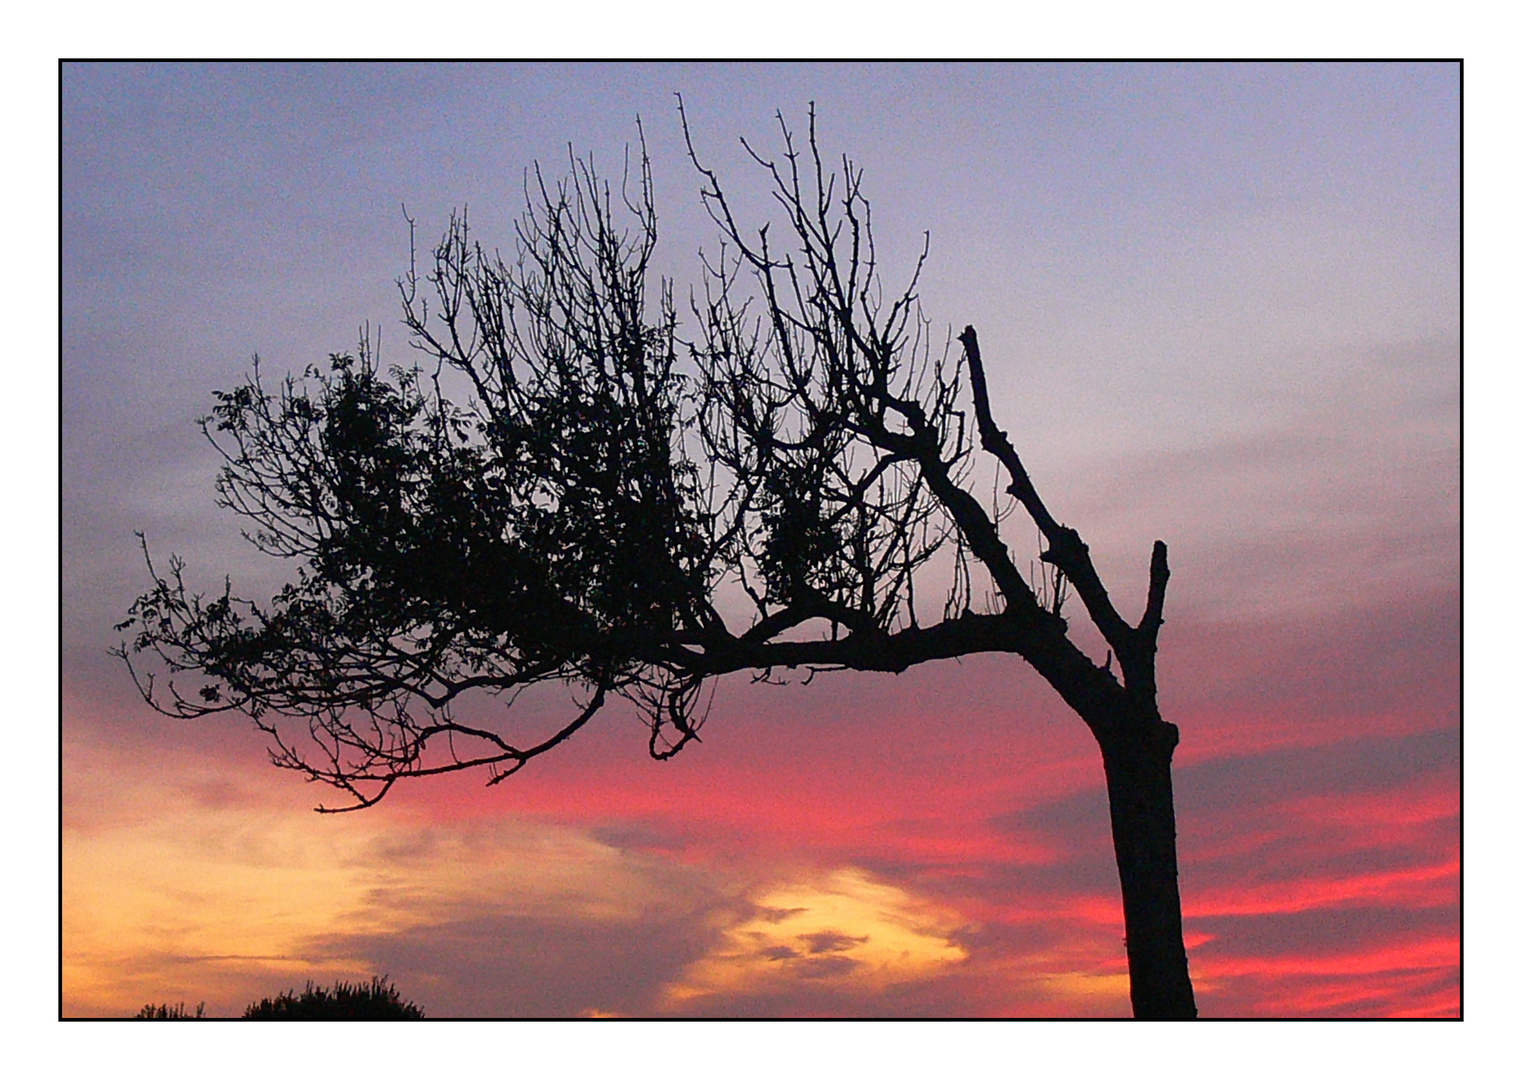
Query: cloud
[
  {"x": 201, "y": 906},
  {"x": 191, "y": 878},
  {"x": 1362, "y": 960},
  {"x": 1269, "y": 382},
  {"x": 228, "y": 889},
  {"x": 1350, "y": 494},
  {"x": 1317, "y": 781},
  {"x": 844, "y": 932},
  {"x": 1309, "y": 872}
]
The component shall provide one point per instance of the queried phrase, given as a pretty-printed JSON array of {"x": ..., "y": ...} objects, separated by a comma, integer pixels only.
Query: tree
[{"x": 570, "y": 490}]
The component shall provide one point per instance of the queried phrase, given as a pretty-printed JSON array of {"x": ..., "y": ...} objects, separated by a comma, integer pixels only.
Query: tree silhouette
[
  {"x": 571, "y": 490},
  {"x": 166, "y": 1011},
  {"x": 377, "y": 1000}
]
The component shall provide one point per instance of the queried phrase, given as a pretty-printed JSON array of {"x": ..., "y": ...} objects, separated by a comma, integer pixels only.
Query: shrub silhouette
[
  {"x": 170, "y": 1012},
  {"x": 379, "y": 1000}
]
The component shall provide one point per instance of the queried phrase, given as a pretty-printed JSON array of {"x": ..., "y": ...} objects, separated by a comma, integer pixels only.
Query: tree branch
[{"x": 1065, "y": 548}]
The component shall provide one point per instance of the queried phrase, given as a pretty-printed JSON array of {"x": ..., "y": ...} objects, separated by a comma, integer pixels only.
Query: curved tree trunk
[{"x": 1138, "y": 761}]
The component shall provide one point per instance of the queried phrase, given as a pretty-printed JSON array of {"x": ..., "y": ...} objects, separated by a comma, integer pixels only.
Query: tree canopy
[{"x": 578, "y": 484}]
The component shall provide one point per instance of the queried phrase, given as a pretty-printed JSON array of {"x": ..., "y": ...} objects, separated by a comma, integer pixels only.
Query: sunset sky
[{"x": 1220, "y": 307}]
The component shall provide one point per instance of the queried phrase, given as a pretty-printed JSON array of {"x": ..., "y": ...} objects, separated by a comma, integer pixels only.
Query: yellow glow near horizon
[
  {"x": 180, "y": 884},
  {"x": 201, "y": 909},
  {"x": 846, "y": 931}
]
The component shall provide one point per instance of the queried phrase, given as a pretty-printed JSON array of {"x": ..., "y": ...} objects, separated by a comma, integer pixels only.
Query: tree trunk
[{"x": 1138, "y": 757}]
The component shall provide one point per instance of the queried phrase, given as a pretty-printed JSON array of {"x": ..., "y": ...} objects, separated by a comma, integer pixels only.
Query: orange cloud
[{"x": 844, "y": 931}]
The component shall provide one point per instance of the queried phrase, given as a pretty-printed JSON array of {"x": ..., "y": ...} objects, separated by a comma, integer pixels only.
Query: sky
[{"x": 1220, "y": 307}]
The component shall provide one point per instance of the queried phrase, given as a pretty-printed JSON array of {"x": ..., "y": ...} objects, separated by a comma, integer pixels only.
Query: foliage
[
  {"x": 170, "y": 1012},
  {"x": 377, "y": 1000},
  {"x": 575, "y": 488},
  {"x": 581, "y": 511}
]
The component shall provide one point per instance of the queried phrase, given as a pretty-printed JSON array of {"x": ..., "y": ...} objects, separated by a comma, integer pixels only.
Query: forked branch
[{"x": 1133, "y": 646}]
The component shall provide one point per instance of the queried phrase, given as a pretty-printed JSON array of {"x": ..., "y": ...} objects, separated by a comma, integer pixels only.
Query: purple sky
[
  {"x": 1220, "y": 306},
  {"x": 1216, "y": 263}
]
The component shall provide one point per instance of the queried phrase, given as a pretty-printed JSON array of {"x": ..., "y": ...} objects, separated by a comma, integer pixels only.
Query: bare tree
[{"x": 607, "y": 504}]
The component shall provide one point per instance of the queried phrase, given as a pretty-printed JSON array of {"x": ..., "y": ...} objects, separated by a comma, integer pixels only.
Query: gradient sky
[{"x": 1220, "y": 307}]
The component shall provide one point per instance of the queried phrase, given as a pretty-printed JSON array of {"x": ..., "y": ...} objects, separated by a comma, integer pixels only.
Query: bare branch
[
  {"x": 575, "y": 518},
  {"x": 1065, "y": 548}
]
